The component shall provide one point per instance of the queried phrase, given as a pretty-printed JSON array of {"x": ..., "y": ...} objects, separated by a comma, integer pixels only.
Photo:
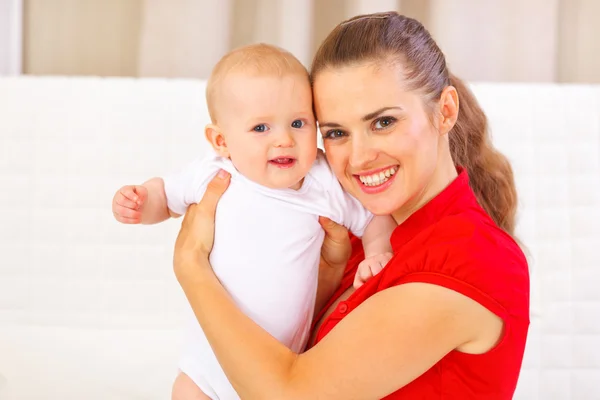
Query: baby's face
[{"x": 269, "y": 128}]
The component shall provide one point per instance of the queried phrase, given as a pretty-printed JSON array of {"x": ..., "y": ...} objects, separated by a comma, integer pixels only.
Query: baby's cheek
[
  {"x": 247, "y": 163},
  {"x": 311, "y": 152}
]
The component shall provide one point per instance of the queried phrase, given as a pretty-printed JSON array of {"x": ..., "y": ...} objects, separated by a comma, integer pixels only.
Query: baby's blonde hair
[{"x": 255, "y": 60}]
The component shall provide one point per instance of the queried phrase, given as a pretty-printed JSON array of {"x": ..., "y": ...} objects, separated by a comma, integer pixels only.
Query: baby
[{"x": 267, "y": 235}]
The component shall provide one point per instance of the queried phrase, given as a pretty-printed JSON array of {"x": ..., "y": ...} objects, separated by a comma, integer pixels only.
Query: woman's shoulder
[
  {"x": 468, "y": 253},
  {"x": 463, "y": 237}
]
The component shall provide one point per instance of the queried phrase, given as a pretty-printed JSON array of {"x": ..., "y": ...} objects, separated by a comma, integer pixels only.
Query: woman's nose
[{"x": 362, "y": 154}]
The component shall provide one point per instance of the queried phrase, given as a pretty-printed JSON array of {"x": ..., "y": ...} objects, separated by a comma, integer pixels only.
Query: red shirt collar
[{"x": 453, "y": 199}]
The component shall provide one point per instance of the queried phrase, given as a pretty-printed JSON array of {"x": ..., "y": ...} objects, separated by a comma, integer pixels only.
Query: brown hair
[
  {"x": 390, "y": 37},
  {"x": 258, "y": 59}
]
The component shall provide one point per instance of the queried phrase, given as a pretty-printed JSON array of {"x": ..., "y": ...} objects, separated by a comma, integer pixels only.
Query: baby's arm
[
  {"x": 376, "y": 239},
  {"x": 157, "y": 209},
  {"x": 142, "y": 204},
  {"x": 157, "y": 199},
  {"x": 378, "y": 250}
]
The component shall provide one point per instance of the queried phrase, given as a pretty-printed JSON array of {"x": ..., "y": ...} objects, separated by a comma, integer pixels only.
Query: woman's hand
[
  {"x": 336, "y": 248},
  {"x": 196, "y": 236},
  {"x": 335, "y": 252}
]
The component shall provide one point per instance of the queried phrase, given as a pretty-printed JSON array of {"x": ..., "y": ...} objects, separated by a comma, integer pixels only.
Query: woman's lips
[{"x": 378, "y": 180}]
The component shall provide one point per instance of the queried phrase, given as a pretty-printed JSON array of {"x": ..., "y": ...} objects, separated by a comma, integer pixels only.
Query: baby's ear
[{"x": 215, "y": 137}]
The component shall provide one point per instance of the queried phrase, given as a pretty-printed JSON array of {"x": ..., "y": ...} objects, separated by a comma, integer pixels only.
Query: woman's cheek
[
  {"x": 335, "y": 155},
  {"x": 403, "y": 145}
]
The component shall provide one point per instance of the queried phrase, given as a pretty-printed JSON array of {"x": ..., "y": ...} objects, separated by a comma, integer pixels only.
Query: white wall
[{"x": 90, "y": 309}]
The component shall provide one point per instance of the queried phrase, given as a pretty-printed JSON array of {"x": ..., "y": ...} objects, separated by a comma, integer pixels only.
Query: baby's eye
[
  {"x": 298, "y": 124},
  {"x": 384, "y": 122},
  {"x": 260, "y": 128}
]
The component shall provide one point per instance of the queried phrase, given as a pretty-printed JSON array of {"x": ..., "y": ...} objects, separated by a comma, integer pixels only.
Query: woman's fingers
[
  {"x": 202, "y": 215},
  {"x": 197, "y": 232},
  {"x": 336, "y": 247},
  {"x": 215, "y": 189},
  {"x": 336, "y": 232}
]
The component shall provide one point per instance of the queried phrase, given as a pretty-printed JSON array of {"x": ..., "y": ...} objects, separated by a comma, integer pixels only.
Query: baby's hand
[
  {"x": 370, "y": 267},
  {"x": 128, "y": 204}
]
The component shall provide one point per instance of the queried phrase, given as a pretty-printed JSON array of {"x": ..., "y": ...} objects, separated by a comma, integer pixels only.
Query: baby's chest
[
  {"x": 248, "y": 215},
  {"x": 258, "y": 236}
]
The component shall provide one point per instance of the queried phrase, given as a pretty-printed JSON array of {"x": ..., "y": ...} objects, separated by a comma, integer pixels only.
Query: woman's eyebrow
[
  {"x": 329, "y": 125},
  {"x": 367, "y": 117},
  {"x": 380, "y": 111}
]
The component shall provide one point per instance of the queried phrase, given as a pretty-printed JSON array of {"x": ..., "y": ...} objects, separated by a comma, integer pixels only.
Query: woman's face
[{"x": 379, "y": 139}]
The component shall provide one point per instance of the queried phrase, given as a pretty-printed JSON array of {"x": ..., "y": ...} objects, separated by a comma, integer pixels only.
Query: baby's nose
[{"x": 284, "y": 139}]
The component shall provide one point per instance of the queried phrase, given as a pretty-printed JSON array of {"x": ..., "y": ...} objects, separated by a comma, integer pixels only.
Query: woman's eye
[
  {"x": 298, "y": 124},
  {"x": 384, "y": 122},
  {"x": 260, "y": 128},
  {"x": 334, "y": 134}
]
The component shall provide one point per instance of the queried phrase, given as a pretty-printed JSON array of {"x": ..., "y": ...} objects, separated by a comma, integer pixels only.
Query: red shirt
[{"x": 452, "y": 242}]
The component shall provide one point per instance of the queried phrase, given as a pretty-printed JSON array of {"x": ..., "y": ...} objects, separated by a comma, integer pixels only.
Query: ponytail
[{"x": 490, "y": 174}]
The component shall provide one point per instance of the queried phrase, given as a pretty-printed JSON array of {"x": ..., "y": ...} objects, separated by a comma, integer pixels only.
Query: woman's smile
[{"x": 376, "y": 181}]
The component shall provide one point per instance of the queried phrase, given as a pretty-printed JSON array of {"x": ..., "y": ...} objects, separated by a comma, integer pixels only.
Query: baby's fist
[
  {"x": 128, "y": 204},
  {"x": 370, "y": 267}
]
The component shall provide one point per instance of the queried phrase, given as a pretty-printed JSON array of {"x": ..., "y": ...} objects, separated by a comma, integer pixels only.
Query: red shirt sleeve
[{"x": 470, "y": 257}]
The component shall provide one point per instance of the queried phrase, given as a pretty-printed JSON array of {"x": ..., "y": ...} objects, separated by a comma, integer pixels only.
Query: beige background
[
  {"x": 11, "y": 21},
  {"x": 484, "y": 40}
]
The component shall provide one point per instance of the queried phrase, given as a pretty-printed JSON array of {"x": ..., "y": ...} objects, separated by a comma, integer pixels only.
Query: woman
[{"x": 448, "y": 317}]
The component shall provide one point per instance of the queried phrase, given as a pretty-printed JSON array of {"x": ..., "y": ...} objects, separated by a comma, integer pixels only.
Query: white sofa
[{"x": 90, "y": 309}]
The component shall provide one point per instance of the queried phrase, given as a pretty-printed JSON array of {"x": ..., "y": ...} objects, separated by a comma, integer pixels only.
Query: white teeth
[{"x": 378, "y": 178}]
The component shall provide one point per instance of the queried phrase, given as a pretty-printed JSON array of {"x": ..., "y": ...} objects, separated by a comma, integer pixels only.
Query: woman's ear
[
  {"x": 215, "y": 137},
  {"x": 448, "y": 110}
]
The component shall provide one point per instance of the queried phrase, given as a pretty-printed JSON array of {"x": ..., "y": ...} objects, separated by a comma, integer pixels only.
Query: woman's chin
[
  {"x": 382, "y": 203},
  {"x": 382, "y": 210},
  {"x": 382, "y": 206}
]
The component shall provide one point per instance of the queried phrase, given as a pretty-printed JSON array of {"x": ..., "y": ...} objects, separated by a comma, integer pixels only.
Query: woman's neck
[{"x": 443, "y": 176}]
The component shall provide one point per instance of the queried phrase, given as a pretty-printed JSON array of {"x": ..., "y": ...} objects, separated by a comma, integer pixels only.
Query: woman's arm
[
  {"x": 385, "y": 343},
  {"x": 388, "y": 341}
]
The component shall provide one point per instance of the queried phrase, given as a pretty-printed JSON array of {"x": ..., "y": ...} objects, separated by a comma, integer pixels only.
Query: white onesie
[{"x": 266, "y": 253}]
